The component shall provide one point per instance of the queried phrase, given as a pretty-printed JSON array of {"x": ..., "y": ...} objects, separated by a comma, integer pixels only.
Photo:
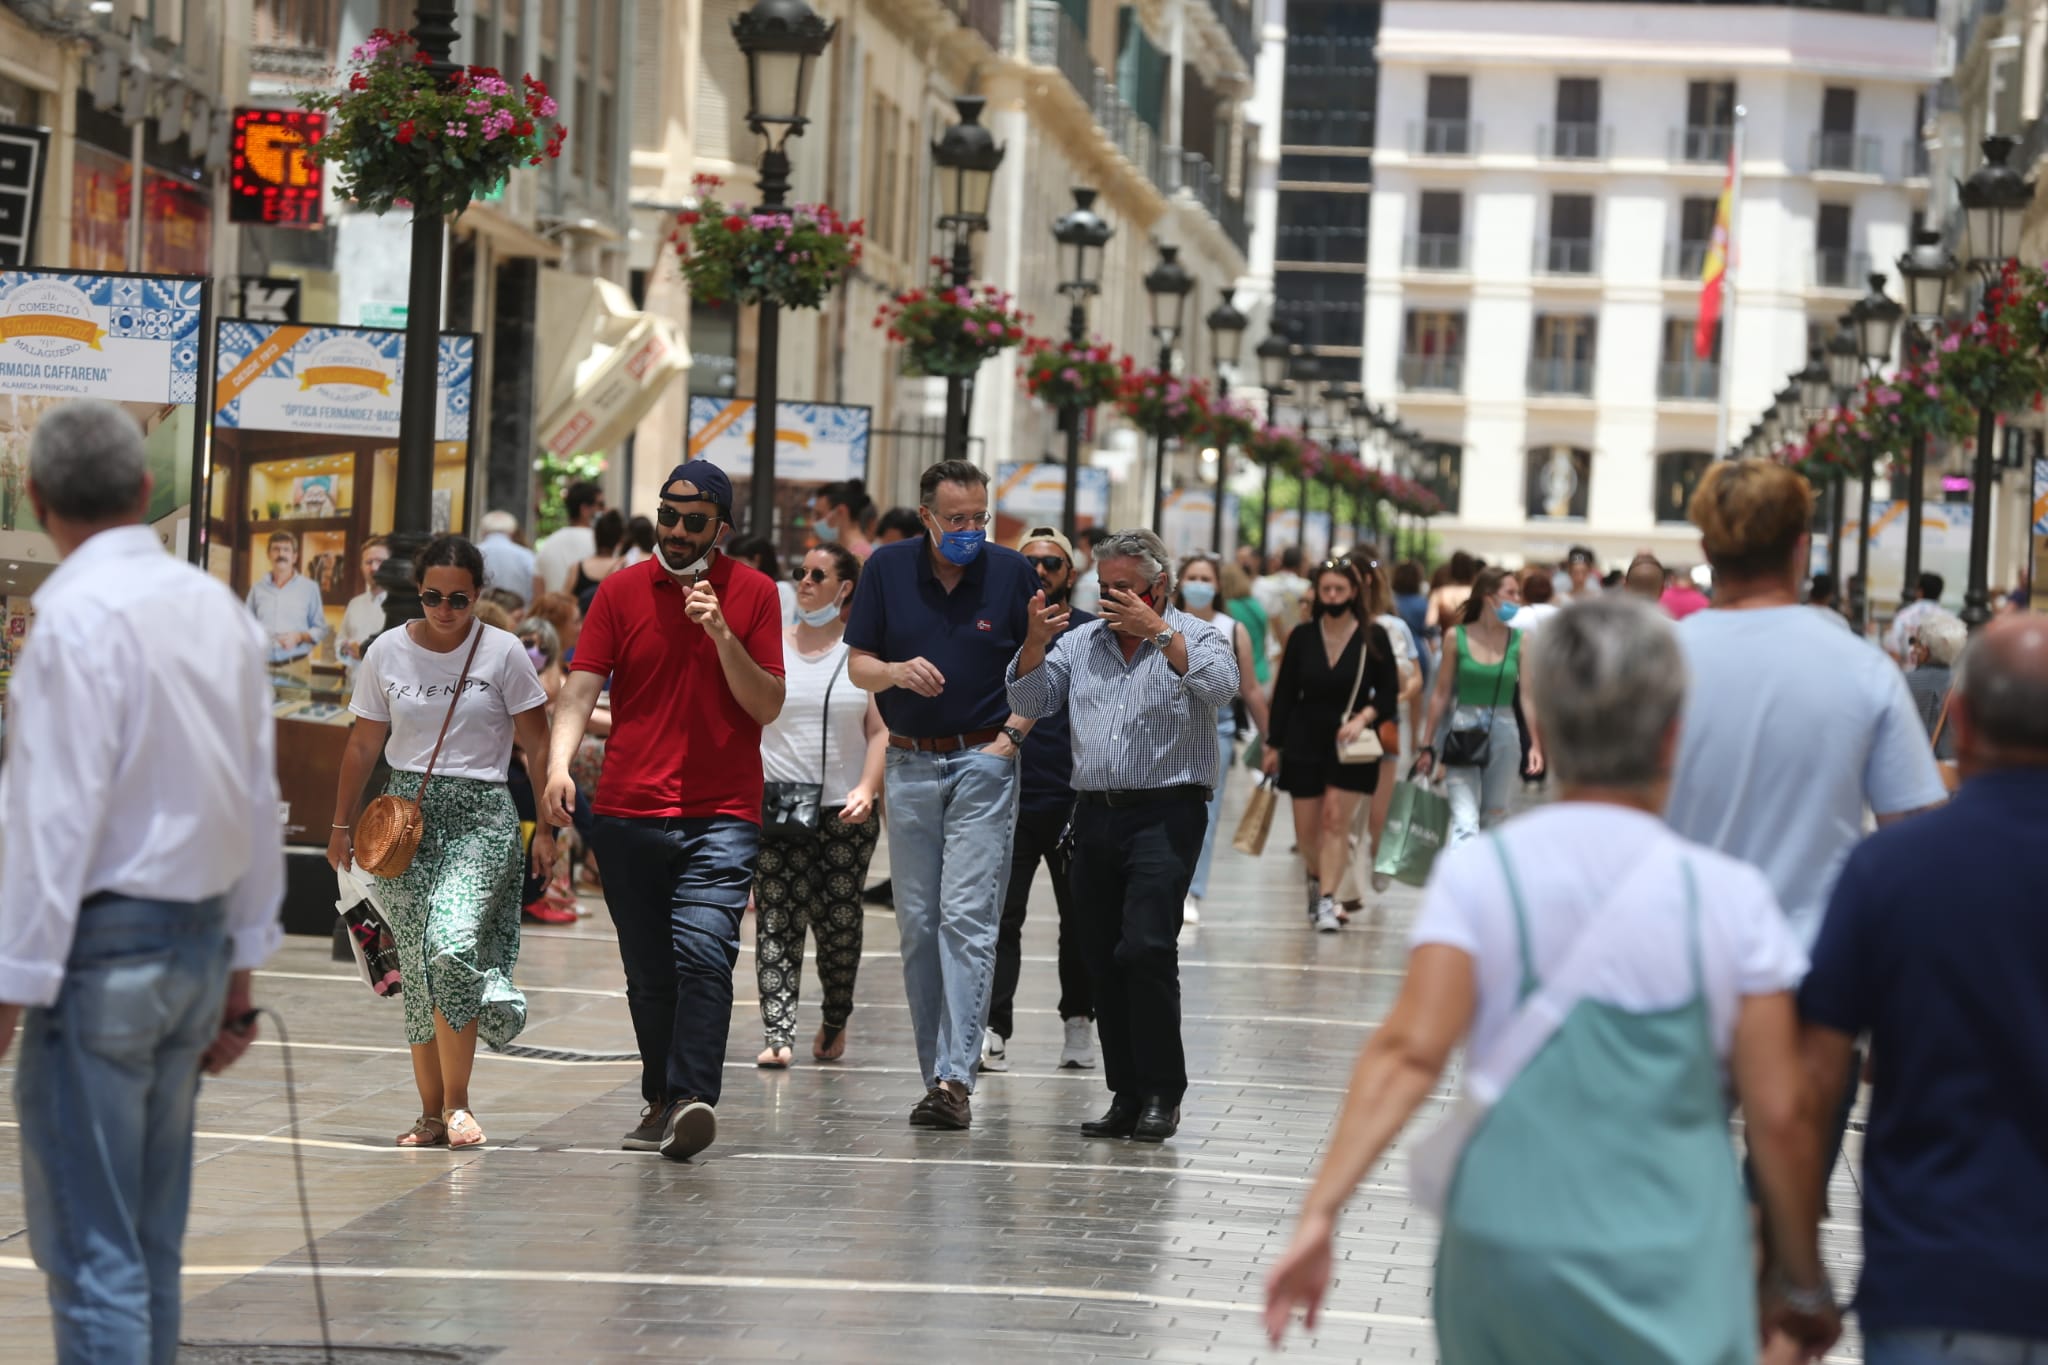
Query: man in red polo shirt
[{"x": 692, "y": 643}]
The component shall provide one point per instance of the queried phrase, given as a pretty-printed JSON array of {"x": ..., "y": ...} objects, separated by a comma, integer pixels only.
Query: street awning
[{"x": 603, "y": 362}]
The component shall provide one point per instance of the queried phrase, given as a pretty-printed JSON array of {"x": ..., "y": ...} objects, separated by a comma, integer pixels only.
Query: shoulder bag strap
[
  {"x": 460, "y": 683},
  {"x": 1364, "y": 644},
  {"x": 1941, "y": 721},
  {"x": 825, "y": 737},
  {"x": 1507, "y": 656}
]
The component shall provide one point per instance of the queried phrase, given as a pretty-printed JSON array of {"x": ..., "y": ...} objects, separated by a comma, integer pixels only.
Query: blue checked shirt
[{"x": 1137, "y": 724}]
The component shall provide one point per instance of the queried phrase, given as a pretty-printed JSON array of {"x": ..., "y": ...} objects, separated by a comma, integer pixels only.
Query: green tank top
[{"x": 1487, "y": 684}]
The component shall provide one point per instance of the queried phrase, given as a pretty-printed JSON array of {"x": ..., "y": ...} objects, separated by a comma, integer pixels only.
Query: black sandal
[{"x": 830, "y": 1044}]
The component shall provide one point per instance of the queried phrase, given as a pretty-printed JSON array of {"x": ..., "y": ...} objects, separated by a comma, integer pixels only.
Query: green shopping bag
[{"x": 1418, "y": 822}]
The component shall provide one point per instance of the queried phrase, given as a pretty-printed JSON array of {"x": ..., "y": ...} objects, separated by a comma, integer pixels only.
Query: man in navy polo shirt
[
  {"x": 692, "y": 643},
  {"x": 935, "y": 623},
  {"x": 1936, "y": 945}
]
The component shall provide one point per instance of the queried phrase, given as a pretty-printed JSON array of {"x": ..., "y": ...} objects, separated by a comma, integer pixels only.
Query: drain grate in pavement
[
  {"x": 313, "y": 1353},
  {"x": 565, "y": 1054}
]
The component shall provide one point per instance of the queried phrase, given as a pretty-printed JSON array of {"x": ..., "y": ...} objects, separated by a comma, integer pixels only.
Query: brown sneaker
[
  {"x": 692, "y": 1126},
  {"x": 646, "y": 1135},
  {"x": 941, "y": 1108}
]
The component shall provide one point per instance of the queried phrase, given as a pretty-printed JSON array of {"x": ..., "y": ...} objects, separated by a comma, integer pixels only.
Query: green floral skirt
[{"x": 455, "y": 910}]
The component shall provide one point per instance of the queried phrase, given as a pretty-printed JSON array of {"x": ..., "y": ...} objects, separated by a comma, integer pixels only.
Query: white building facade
[{"x": 1545, "y": 188}]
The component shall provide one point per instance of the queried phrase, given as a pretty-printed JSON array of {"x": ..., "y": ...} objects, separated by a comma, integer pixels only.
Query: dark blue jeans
[{"x": 676, "y": 890}]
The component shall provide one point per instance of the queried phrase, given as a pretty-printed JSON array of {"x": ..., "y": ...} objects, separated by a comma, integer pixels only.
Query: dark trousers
[
  {"x": 676, "y": 890},
  {"x": 1038, "y": 836},
  {"x": 1132, "y": 866},
  {"x": 810, "y": 883}
]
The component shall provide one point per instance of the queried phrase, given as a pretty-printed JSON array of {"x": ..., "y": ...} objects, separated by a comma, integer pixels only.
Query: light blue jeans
[
  {"x": 1479, "y": 796},
  {"x": 1951, "y": 1348},
  {"x": 1226, "y": 736},
  {"x": 105, "y": 1091},
  {"x": 951, "y": 820}
]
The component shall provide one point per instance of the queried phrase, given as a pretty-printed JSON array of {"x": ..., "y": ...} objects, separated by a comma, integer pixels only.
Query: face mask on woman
[
  {"x": 823, "y": 616},
  {"x": 1506, "y": 611},
  {"x": 1333, "y": 608},
  {"x": 825, "y": 531},
  {"x": 1198, "y": 595}
]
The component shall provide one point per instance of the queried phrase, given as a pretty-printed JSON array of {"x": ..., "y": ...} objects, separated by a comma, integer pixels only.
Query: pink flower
[
  {"x": 1934, "y": 390},
  {"x": 1952, "y": 342},
  {"x": 1070, "y": 375}
]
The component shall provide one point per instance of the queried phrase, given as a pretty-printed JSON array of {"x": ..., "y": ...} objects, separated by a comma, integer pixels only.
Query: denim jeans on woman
[
  {"x": 106, "y": 1088},
  {"x": 1936, "y": 1347},
  {"x": 1479, "y": 796},
  {"x": 1226, "y": 739}
]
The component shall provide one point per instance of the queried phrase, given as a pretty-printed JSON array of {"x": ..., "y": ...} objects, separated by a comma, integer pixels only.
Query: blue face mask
[
  {"x": 1198, "y": 595},
  {"x": 823, "y": 616},
  {"x": 1506, "y": 611},
  {"x": 825, "y": 531},
  {"x": 962, "y": 547}
]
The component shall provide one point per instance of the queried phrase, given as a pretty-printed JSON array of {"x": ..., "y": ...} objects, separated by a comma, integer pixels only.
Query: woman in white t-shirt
[
  {"x": 455, "y": 909},
  {"x": 1609, "y": 980},
  {"x": 1197, "y": 594},
  {"x": 829, "y": 734}
]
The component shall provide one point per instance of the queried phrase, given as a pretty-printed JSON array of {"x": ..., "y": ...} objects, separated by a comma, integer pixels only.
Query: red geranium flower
[
  {"x": 734, "y": 223},
  {"x": 405, "y": 131}
]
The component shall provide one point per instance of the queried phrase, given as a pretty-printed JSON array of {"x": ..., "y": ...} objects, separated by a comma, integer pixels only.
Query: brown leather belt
[{"x": 947, "y": 744}]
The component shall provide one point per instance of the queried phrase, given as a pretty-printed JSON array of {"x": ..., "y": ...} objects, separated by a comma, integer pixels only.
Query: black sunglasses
[
  {"x": 1051, "y": 563},
  {"x": 814, "y": 575},
  {"x": 693, "y": 522},
  {"x": 433, "y": 597}
]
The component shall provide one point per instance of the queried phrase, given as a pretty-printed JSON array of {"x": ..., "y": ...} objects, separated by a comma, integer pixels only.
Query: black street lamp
[
  {"x": 1337, "y": 400},
  {"x": 1226, "y": 342},
  {"x": 1305, "y": 368},
  {"x": 781, "y": 40},
  {"x": 1845, "y": 371},
  {"x": 1081, "y": 235},
  {"x": 412, "y": 512},
  {"x": 1875, "y": 318},
  {"x": 1994, "y": 202},
  {"x": 1274, "y": 355},
  {"x": 1926, "y": 269},
  {"x": 967, "y": 157},
  {"x": 1167, "y": 286}
]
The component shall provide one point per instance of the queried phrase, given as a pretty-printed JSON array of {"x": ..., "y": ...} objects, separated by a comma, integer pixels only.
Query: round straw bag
[{"x": 388, "y": 831}]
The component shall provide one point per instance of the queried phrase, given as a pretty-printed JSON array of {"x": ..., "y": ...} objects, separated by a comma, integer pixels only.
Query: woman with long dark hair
[
  {"x": 1335, "y": 682},
  {"x": 1473, "y": 708}
]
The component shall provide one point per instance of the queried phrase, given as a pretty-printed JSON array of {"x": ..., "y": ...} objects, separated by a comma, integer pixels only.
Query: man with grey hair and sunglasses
[
  {"x": 141, "y": 868},
  {"x": 1141, "y": 685}
]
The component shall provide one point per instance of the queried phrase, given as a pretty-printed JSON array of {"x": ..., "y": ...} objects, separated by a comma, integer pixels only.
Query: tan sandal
[
  {"x": 830, "y": 1044},
  {"x": 463, "y": 1130},
  {"x": 774, "y": 1058},
  {"x": 425, "y": 1132}
]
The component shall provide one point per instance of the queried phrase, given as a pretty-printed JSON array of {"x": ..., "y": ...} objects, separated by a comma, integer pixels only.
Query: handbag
[
  {"x": 1418, "y": 824},
  {"x": 794, "y": 810},
  {"x": 370, "y": 941},
  {"x": 1472, "y": 746},
  {"x": 388, "y": 831},
  {"x": 1366, "y": 746},
  {"x": 1257, "y": 821}
]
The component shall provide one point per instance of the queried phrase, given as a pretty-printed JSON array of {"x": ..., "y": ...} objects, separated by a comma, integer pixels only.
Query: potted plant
[
  {"x": 791, "y": 256},
  {"x": 1072, "y": 374},
  {"x": 399, "y": 138},
  {"x": 1163, "y": 405},
  {"x": 950, "y": 330},
  {"x": 1276, "y": 446},
  {"x": 1227, "y": 423}
]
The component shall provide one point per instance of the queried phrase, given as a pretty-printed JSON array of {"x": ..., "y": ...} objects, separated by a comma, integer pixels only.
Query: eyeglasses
[
  {"x": 434, "y": 597},
  {"x": 693, "y": 522},
  {"x": 1050, "y": 563},
  {"x": 809, "y": 575},
  {"x": 963, "y": 521}
]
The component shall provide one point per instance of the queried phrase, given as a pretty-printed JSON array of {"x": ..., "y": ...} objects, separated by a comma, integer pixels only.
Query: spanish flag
[{"x": 1719, "y": 248}]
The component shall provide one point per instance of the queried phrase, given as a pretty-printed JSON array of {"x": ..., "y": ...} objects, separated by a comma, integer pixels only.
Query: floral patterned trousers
[{"x": 816, "y": 883}]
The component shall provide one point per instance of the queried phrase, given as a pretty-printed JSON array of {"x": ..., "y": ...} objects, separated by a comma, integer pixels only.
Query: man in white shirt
[
  {"x": 287, "y": 603},
  {"x": 556, "y": 557},
  {"x": 364, "y": 615},
  {"x": 141, "y": 867},
  {"x": 1898, "y": 639},
  {"x": 507, "y": 563}
]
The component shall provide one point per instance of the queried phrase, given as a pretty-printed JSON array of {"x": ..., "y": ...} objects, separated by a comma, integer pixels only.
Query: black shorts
[{"x": 1309, "y": 777}]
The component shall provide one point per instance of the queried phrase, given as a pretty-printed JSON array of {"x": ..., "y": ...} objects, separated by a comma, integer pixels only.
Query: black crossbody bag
[
  {"x": 1473, "y": 747},
  {"x": 794, "y": 810}
]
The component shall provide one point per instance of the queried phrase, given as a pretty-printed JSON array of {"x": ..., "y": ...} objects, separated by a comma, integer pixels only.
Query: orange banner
[
  {"x": 716, "y": 427},
  {"x": 52, "y": 325},
  {"x": 236, "y": 382},
  {"x": 345, "y": 374}
]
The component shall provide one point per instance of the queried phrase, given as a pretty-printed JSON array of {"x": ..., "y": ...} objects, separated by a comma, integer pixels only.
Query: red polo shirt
[{"x": 681, "y": 744}]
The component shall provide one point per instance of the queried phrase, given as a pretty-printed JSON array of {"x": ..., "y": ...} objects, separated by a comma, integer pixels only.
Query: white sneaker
[
  {"x": 1380, "y": 882},
  {"x": 1326, "y": 916},
  {"x": 1191, "y": 910},
  {"x": 1079, "y": 1053},
  {"x": 995, "y": 1055}
]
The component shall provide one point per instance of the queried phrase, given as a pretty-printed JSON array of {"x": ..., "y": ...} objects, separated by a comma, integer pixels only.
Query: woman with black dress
[{"x": 1335, "y": 682}]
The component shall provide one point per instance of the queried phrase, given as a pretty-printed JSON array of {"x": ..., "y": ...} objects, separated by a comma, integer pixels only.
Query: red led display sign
[{"x": 272, "y": 180}]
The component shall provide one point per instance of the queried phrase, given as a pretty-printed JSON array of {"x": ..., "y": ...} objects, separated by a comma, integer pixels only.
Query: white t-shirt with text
[{"x": 408, "y": 687}]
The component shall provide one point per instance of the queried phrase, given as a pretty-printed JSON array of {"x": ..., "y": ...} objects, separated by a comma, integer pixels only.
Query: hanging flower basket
[
  {"x": 397, "y": 138},
  {"x": 1072, "y": 374},
  {"x": 950, "y": 330},
  {"x": 1227, "y": 424},
  {"x": 1164, "y": 405},
  {"x": 1276, "y": 446},
  {"x": 791, "y": 257}
]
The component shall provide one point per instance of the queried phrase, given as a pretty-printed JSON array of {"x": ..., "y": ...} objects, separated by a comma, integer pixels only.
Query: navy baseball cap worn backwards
[{"x": 709, "y": 481}]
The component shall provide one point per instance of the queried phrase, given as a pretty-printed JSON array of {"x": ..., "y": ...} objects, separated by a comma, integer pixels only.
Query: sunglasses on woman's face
[
  {"x": 693, "y": 522},
  {"x": 810, "y": 576},
  {"x": 456, "y": 601}
]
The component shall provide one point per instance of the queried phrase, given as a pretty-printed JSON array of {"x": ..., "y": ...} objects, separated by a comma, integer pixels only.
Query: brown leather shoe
[{"x": 941, "y": 1108}]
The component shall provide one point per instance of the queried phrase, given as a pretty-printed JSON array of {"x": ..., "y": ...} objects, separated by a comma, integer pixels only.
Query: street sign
[
  {"x": 377, "y": 313},
  {"x": 22, "y": 154},
  {"x": 272, "y": 181},
  {"x": 268, "y": 299}
]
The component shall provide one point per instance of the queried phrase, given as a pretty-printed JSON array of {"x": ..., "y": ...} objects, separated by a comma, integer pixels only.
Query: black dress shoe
[
  {"x": 1157, "y": 1121},
  {"x": 1119, "y": 1122}
]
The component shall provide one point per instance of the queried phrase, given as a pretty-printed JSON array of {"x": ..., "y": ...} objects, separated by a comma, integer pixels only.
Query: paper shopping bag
[
  {"x": 1258, "y": 819},
  {"x": 1418, "y": 821},
  {"x": 369, "y": 935}
]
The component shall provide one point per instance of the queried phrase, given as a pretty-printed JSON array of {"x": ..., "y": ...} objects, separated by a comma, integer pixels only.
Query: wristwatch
[
  {"x": 1164, "y": 637},
  {"x": 1014, "y": 735}
]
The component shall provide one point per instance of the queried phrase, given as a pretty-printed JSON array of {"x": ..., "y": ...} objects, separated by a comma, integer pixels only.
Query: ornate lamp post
[
  {"x": 1337, "y": 399},
  {"x": 1226, "y": 342},
  {"x": 1875, "y": 319},
  {"x": 1845, "y": 369},
  {"x": 967, "y": 157},
  {"x": 1994, "y": 202},
  {"x": 1926, "y": 270},
  {"x": 1081, "y": 235},
  {"x": 1274, "y": 355},
  {"x": 1167, "y": 286},
  {"x": 781, "y": 40}
]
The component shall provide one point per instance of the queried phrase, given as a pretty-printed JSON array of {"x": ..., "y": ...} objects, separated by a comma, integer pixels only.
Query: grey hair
[
  {"x": 1943, "y": 635},
  {"x": 87, "y": 461},
  {"x": 1145, "y": 547},
  {"x": 498, "y": 521},
  {"x": 1606, "y": 680}
]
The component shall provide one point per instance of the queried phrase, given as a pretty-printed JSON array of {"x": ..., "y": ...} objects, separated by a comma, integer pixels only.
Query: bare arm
[
  {"x": 758, "y": 691},
  {"x": 1898, "y": 815},
  {"x": 530, "y": 732},
  {"x": 1781, "y": 1099},
  {"x": 1248, "y": 682},
  {"x": 1440, "y": 696},
  {"x": 572, "y": 712},
  {"x": 365, "y": 741}
]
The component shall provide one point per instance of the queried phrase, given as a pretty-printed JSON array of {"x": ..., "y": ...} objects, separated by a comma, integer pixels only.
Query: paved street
[{"x": 821, "y": 1227}]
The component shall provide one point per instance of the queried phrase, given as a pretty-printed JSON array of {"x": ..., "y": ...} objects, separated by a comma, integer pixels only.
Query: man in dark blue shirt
[
  {"x": 935, "y": 624},
  {"x": 1936, "y": 945},
  {"x": 1047, "y": 805}
]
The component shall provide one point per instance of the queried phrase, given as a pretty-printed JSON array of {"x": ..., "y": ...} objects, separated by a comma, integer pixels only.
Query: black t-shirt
[{"x": 1310, "y": 697}]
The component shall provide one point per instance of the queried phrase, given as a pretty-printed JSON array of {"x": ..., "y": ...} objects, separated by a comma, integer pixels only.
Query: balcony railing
[
  {"x": 1565, "y": 256},
  {"x": 1847, "y": 153},
  {"x": 1685, "y": 260},
  {"x": 1433, "y": 373},
  {"x": 985, "y": 17},
  {"x": 1201, "y": 180},
  {"x": 1690, "y": 380},
  {"x": 1702, "y": 143},
  {"x": 1572, "y": 141},
  {"x": 1434, "y": 251},
  {"x": 1561, "y": 377},
  {"x": 1237, "y": 22},
  {"x": 1836, "y": 268},
  {"x": 1319, "y": 246},
  {"x": 1443, "y": 137},
  {"x": 1915, "y": 159}
]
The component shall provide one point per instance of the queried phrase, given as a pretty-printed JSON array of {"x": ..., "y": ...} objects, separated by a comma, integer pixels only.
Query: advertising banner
[
  {"x": 2039, "y": 524},
  {"x": 1286, "y": 529},
  {"x": 302, "y": 490},
  {"x": 1028, "y": 495},
  {"x": 1944, "y": 549},
  {"x": 814, "y": 442},
  {"x": 1190, "y": 517}
]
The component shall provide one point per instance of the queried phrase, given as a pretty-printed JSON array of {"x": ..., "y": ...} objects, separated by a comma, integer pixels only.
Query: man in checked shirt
[{"x": 1141, "y": 685}]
